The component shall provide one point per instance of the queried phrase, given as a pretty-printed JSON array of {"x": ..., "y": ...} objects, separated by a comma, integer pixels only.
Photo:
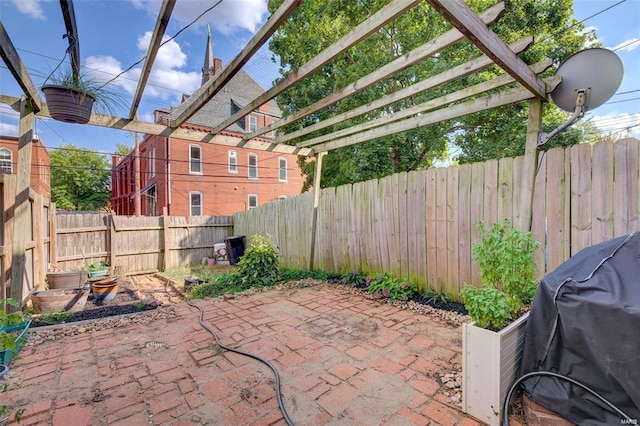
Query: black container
[{"x": 235, "y": 248}]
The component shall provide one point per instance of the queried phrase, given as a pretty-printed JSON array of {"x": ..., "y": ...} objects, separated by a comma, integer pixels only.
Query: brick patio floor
[{"x": 343, "y": 360}]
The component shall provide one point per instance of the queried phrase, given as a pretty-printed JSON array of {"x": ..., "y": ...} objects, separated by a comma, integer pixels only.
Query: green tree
[
  {"x": 492, "y": 134},
  {"x": 122, "y": 149},
  {"x": 79, "y": 179}
]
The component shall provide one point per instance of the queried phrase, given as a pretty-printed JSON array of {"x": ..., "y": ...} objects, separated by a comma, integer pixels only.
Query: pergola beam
[
  {"x": 464, "y": 19},
  {"x": 18, "y": 70},
  {"x": 353, "y": 37},
  {"x": 192, "y": 105},
  {"x": 444, "y": 77},
  {"x": 161, "y": 25},
  {"x": 69, "y": 16},
  {"x": 495, "y": 100},
  {"x": 120, "y": 123},
  {"x": 430, "y": 105},
  {"x": 413, "y": 57}
]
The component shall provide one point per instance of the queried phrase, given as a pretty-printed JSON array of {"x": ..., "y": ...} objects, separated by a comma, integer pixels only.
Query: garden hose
[
  {"x": 505, "y": 407},
  {"x": 256, "y": 357}
]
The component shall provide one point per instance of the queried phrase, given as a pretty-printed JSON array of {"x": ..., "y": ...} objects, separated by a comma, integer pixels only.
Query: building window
[
  {"x": 152, "y": 163},
  {"x": 195, "y": 159},
  {"x": 195, "y": 203},
  {"x": 233, "y": 162},
  {"x": 253, "y": 123},
  {"x": 6, "y": 160},
  {"x": 282, "y": 162},
  {"x": 253, "y": 166},
  {"x": 252, "y": 201}
]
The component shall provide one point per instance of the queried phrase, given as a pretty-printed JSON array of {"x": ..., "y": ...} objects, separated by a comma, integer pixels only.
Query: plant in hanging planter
[
  {"x": 492, "y": 345},
  {"x": 71, "y": 98}
]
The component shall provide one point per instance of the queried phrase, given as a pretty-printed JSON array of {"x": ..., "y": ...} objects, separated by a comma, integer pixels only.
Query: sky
[{"x": 114, "y": 34}]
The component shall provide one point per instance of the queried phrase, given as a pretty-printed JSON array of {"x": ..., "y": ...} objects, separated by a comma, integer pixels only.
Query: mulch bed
[{"x": 123, "y": 303}]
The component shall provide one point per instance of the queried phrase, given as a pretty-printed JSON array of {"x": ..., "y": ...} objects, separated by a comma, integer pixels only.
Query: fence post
[
  {"x": 53, "y": 234},
  {"x": 530, "y": 163},
  {"x": 165, "y": 238},
  {"x": 113, "y": 236},
  {"x": 21, "y": 219},
  {"x": 39, "y": 265},
  {"x": 316, "y": 201}
]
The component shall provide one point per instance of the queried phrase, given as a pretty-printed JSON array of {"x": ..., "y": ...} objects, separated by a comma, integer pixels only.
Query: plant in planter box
[
  {"x": 97, "y": 269},
  {"x": 492, "y": 346},
  {"x": 13, "y": 327}
]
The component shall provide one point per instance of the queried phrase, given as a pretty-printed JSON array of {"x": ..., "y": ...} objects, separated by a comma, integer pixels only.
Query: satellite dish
[{"x": 589, "y": 79}]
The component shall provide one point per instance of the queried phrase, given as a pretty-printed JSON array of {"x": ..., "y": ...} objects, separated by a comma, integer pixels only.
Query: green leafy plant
[
  {"x": 7, "y": 339},
  {"x": 354, "y": 279},
  {"x": 507, "y": 268},
  {"x": 139, "y": 305},
  {"x": 294, "y": 274},
  {"x": 5, "y": 409},
  {"x": 389, "y": 287},
  {"x": 93, "y": 267},
  {"x": 55, "y": 317}
]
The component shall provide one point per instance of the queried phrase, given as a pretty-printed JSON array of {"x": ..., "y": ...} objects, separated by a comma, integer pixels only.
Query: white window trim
[
  {"x": 152, "y": 162},
  {"x": 230, "y": 155},
  {"x": 252, "y": 154},
  {"x": 249, "y": 207},
  {"x": 200, "y": 160},
  {"x": 253, "y": 126},
  {"x": 286, "y": 171},
  {"x": 9, "y": 160},
  {"x": 191, "y": 205}
]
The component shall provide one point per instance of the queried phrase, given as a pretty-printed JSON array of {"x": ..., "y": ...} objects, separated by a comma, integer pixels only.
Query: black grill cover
[{"x": 585, "y": 324}]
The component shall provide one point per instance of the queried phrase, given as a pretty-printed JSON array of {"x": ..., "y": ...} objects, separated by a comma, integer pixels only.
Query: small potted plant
[
  {"x": 492, "y": 345},
  {"x": 70, "y": 97},
  {"x": 13, "y": 330},
  {"x": 97, "y": 269}
]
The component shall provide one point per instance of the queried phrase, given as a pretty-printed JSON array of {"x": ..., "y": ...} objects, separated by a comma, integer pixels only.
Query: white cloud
[
  {"x": 166, "y": 80},
  {"x": 627, "y": 45},
  {"x": 617, "y": 124},
  {"x": 227, "y": 17},
  {"x": 30, "y": 7},
  {"x": 8, "y": 129}
]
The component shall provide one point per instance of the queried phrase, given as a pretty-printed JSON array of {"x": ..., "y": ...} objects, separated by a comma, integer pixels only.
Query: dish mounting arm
[{"x": 578, "y": 113}]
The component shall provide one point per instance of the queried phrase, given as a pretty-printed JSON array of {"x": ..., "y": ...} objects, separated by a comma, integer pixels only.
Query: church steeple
[{"x": 208, "y": 69}]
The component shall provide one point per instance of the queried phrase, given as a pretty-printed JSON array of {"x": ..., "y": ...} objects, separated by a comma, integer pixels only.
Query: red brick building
[
  {"x": 40, "y": 163},
  {"x": 192, "y": 178}
]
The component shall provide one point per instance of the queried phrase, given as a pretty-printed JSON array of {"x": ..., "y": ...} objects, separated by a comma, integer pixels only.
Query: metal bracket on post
[{"x": 543, "y": 137}]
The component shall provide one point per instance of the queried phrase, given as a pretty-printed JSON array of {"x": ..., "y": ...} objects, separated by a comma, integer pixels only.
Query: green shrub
[
  {"x": 507, "y": 269},
  {"x": 389, "y": 287},
  {"x": 8, "y": 340},
  {"x": 294, "y": 274},
  {"x": 258, "y": 267}
]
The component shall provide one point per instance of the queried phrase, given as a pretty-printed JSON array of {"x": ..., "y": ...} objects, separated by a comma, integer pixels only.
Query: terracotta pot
[
  {"x": 68, "y": 104},
  {"x": 105, "y": 290}
]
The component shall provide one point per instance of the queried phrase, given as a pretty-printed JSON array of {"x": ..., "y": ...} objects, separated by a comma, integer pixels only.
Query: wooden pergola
[{"x": 466, "y": 24}]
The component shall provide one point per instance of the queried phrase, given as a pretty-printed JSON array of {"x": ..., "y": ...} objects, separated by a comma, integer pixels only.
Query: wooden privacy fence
[
  {"x": 421, "y": 225},
  {"x": 35, "y": 237},
  {"x": 136, "y": 245}
]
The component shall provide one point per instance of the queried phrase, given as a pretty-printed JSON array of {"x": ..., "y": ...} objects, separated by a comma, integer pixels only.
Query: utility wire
[{"x": 166, "y": 41}]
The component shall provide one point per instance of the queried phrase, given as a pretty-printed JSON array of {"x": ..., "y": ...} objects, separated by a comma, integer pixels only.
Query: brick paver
[{"x": 343, "y": 359}]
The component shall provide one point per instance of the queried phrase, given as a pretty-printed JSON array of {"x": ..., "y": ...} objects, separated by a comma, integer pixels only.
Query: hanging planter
[{"x": 68, "y": 104}]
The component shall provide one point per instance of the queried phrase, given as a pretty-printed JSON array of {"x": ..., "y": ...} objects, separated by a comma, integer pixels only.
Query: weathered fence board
[{"x": 422, "y": 225}]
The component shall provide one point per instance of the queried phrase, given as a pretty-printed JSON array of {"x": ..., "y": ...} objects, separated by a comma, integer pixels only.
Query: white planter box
[{"x": 490, "y": 362}]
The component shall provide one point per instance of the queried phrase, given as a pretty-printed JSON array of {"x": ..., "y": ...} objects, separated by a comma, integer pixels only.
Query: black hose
[
  {"x": 505, "y": 407},
  {"x": 250, "y": 355}
]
